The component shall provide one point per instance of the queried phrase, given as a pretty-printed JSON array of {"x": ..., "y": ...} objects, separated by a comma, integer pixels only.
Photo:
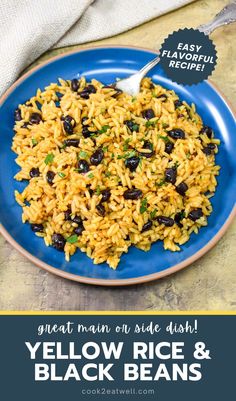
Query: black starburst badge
[{"x": 188, "y": 56}]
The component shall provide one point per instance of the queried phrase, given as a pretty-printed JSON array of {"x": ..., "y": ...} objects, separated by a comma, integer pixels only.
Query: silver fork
[{"x": 131, "y": 85}]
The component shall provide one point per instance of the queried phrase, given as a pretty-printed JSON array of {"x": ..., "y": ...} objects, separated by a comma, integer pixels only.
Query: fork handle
[
  {"x": 226, "y": 16},
  {"x": 149, "y": 66}
]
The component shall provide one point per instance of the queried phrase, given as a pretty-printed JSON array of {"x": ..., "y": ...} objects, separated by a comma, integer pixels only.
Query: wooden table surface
[{"x": 208, "y": 284}]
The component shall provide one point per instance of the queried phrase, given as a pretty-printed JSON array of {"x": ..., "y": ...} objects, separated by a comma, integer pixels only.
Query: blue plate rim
[{"x": 113, "y": 282}]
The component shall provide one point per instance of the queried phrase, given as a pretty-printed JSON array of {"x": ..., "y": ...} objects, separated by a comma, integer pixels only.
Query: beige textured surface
[{"x": 208, "y": 284}]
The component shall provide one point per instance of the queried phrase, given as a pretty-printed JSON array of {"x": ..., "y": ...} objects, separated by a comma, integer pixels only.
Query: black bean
[
  {"x": 34, "y": 172},
  {"x": 58, "y": 242},
  {"x": 206, "y": 130},
  {"x": 178, "y": 217},
  {"x": 78, "y": 230},
  {"x": 170, "y": 175},
  {"x": 182, "y": 188},
  {"x": 195, "y": 214},
  {"x": 35, "y": 118},
  {"x": 147, "y": 226},
  {"x": 133, "y": 194},
  {"x": 209, "y": 149},
  {"x": 77, "y": 220},
  {"x": 167, "y": 221},
  {"x": 147, "y": 145},
  {"x": 91, "y": 191},
  {"x": 177, "y": 103},
  {"x": 101, "y": 209},
  {"x": 84, "y": 119},
  {"x": 84, "y": 94},
  {"x": 17, "y": 115},
  {"x": 70, "y": 120},
  {"x": 176, "y": 133},
  {"x": 25, "y": 125},
  {"x": 127, "y": 238},
  {"x": 50, "y": 177},
  {"x": 87, "y": 91},
  {"x": 148, "y": 114},
  {"x": 67, "y": 214},
  {"x": 91, "y": 88},
  {"x": 75, "y": 84},
  {"x": 132, "y": 125},
  {"x": 169, "y": 146},
  {"x": 71, "y": 142},
  {"x": 132, "y": 163},
  {"x": 59, "y": 95},
  {"x": 211, "y": 146},
  {"x": 83, "y": 166},
  {"x": 106, "y": 194},
  {"x": 97, "y": 157},
  {"x": 67, "y": 118},
  {"x": 85, "y": 132},
  {"x": 68, "y": 127},
  {"x": 162, "y": 96},
  {"x": 37, "y": 228}
]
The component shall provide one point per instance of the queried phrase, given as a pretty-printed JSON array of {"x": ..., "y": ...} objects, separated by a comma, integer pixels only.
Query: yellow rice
[{"x": 104, "y": 239}]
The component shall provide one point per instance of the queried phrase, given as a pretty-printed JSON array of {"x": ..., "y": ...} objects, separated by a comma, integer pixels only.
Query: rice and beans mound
[{"x": 106, "y": 170}]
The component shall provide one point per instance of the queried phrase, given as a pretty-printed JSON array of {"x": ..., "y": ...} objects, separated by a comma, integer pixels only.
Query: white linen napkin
[{"x": 30, "y": 27}]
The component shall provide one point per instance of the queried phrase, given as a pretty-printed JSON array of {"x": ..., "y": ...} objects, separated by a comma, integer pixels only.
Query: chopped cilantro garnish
[
  {"x": 90, "y": 175},
  {"x": 165, "y": 138},
  {"x": 72, "y": 239},
  {"x": 143, "y": 206},
  {"x": 61, "y": 175},
  {"x": 104, "y": 129},
  {"x": 188, "y": 155},
  {"x": 133, "y": 99},
  {"x": 83, "y": 154},
  {"x": 140, "y": 163},
  {"x": 130, "y": 154},
  {"x": 153, "y": 214},
  {"x": 34, "y": 142},
  {"x": 182, "y": 215},
  {"x": 105, "y": 149},
  {"x": 126, "y": 144},
  {"x": 135, "y": 127},
  {"x": 93, "y": 134},
  {"x": 164, "y": 125},
  {"x": 49, "y": 158},
  {"x": 160, "y": 183},
  {"x": 150, "y": 123},
  {"x": 127, "y": 155},
  {"x": 108, "y": 174},
  {"x": 98, "y": 190}
]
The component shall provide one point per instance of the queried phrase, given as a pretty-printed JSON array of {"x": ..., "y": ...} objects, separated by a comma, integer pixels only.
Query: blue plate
[{"x": 105, "y": 64}]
